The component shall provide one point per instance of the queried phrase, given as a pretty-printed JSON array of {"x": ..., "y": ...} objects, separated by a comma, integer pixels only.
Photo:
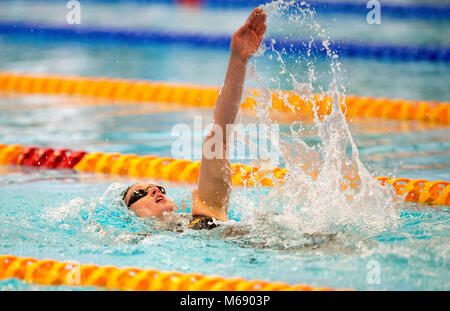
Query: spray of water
[{"x": 328, "y": 189}]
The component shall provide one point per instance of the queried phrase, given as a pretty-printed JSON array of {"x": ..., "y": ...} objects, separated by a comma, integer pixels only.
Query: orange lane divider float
[
  {"x": 52, "y": 272},
  {"x": 202, "y": 96},
  {"x": 169, "y": 169}
]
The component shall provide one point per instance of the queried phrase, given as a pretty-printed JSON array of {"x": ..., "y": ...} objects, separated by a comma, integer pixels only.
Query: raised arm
[{"x": 214, "y": 185}]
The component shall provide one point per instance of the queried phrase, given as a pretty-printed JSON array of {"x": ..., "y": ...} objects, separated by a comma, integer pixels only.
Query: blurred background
[{"x": 409, "y": 25}]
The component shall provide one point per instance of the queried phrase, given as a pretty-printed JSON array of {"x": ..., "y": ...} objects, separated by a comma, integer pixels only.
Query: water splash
[{"x": 328, "y": 189}]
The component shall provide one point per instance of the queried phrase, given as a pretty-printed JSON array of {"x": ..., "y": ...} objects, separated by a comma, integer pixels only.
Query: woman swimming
[{"x": 212, "y": 196}]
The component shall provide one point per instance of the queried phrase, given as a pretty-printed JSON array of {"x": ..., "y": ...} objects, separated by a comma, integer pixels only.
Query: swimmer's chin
[
  {"x": 166, "y": 206},
  {"x": 162, "y": 210},
  {"x": 166, "y": 210}
]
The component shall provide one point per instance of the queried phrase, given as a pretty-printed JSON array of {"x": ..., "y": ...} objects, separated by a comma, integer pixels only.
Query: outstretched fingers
[
  {"x": 255, "y": 18},
  {"x": 261, "y": 26},
  {"x": 257, "y": 23}
]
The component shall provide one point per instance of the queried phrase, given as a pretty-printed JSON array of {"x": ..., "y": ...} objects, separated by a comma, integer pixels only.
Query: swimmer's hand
[{"x": 247, "y": 39}]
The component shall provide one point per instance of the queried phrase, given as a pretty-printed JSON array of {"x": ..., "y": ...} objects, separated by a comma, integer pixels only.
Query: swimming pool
[
  {"x": 66, "y": 215},
  {"x": 72, "y": 217}
]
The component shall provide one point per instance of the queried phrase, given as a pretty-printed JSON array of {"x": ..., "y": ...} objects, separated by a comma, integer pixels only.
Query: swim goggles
[{"x": 140, "y": 193}]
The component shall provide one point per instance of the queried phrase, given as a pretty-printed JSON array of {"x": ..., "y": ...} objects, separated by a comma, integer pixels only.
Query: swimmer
[{"x": 212, "y": 195}]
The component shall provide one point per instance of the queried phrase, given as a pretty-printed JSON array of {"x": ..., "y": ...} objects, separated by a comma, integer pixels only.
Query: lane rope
[
  {"x": 186, "y": 171},
  {"x": 287, "y": 102},
  {"x": 51, "y": 272},
  {"x": 396, "y": 10},
  {"x": 342, "y": 48}
]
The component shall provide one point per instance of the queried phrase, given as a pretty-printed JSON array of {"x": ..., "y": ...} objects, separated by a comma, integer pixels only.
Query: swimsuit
[{"x": 202, "y": 223}]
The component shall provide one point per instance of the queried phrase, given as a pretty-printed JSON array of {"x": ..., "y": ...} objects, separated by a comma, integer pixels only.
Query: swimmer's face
[{"x": 154, "y": 204}]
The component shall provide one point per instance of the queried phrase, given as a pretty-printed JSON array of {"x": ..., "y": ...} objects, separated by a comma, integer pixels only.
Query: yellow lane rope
[
  {"x": 186, "y": 171},
  {"x": 202, "y": 96},
  {"x": 52, "y": 272}
]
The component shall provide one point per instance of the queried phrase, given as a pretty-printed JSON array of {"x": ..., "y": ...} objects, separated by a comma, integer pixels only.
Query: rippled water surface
[{"x": 65, "y": 215}]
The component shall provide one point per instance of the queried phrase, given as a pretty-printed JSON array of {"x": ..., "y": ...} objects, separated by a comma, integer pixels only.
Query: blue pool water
[
  {"x": 65, "y": 215},
  {"x": 70, "y": 216},
  {"x": 72, "y": 219}
]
